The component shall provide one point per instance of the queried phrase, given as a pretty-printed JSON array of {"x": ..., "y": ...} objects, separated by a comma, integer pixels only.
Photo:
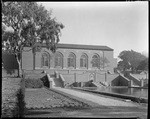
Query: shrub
[
  {"x": 19, "y": 109},
  {"x": 45, "y": 81},
  {"x": 33, "y": 83}
]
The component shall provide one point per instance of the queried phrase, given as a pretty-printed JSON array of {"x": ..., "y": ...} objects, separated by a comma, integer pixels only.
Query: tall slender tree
[{"x": 30, "y": 23}]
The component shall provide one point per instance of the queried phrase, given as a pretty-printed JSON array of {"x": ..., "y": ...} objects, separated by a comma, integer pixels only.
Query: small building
[{"x": 120, "y": 81}]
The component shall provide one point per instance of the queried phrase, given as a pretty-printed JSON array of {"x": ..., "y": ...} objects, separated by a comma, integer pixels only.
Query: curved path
[{"x": 96, "y": 98}]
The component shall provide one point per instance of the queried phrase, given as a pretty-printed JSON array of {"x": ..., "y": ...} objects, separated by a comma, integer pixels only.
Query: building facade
[{"x": 69, "y": 57}]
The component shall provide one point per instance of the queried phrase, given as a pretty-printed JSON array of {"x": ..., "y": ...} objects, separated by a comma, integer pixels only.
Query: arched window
[
  {"x": 58, "y": 60},
  {"x": 95, "y": 61},
  {"x": 84, "y": 61},
  {"x": 45, "y": 60},
  {"x": 71, "y": 60}
]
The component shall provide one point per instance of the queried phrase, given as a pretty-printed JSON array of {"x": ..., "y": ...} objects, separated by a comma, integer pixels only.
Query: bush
[
  {"x": 19, "y": 110},
  {"x": 45, "y": 81},
  {"x": 33, "y": 83}
]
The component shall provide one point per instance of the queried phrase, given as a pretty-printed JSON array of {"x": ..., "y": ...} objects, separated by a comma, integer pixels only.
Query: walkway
[{"x": 97, "y": 99}]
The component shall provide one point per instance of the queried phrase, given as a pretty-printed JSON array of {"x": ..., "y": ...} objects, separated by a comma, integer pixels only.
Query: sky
[{"x": 118, "y": 25}]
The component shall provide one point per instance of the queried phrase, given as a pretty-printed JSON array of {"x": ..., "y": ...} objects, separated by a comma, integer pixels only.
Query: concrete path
[{"x": 96, "y": 98}]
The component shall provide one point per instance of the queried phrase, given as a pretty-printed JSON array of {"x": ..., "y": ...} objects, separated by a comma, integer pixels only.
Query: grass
[
  {"x": 46, "y": 99},
  {"x": 11, "y": 93}
]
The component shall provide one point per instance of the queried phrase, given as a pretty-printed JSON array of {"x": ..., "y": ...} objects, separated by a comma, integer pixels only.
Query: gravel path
[{"x": 97, "y": 99}]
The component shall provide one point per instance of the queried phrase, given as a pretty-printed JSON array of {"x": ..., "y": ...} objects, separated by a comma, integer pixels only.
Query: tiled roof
[{"x": 79, "y": 46}]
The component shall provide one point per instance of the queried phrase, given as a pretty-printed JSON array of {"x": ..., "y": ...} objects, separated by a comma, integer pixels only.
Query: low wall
[
  {"x": 132, "y": 98},
  {"x": 62, "y": 71},
  {"x": 100, "y": 77},
  {"x": 76, "y": 75},
  {"x": 82, "y": 77},
  {"x": 69, "y": 78},
  {"x": 77, "y": 71}
]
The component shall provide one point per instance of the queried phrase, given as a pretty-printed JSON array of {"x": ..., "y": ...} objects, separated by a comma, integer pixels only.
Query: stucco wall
[
  {"x": 27, "y": 58},
  {"x": 112, "y": 61},
  {"x": 69, "y": 78},
  {"x": 100, "y": 77}
]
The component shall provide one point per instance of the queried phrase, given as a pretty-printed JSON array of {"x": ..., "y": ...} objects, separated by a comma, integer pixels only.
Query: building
[
  {"x": 70, "y": 56},
  {"x": 71, "y": 60}
]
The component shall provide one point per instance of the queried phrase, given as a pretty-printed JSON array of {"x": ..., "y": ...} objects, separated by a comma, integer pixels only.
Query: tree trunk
[{"x": 19, "y": 66}]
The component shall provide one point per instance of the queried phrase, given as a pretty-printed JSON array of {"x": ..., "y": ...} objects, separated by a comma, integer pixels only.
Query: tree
[
  {"x": 9, "y": 62},
  {"x": 30, "y": 23},
  {"x": 130, "y": 60},
  {"x": 100, "y": 63},
  {"x": 143, "y": 65}
]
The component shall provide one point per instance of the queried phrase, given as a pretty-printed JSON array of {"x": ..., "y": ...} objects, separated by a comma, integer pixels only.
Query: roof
[
  {"x": 79, "y": 46},
  {"x": 140, "y": 76},
  {"x": 87, "y": 47}
]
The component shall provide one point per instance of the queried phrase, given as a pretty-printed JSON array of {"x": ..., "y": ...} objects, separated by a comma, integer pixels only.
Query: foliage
[
  {"x": 19, "y": 110},
  {"x": 45, "y": 81},
  {"x": 130, "y": 60},
  {"x": 100, "y": 63},
  {"x": 30, "y": 23},
  {"x": 9, "y": 62},
  {"x": 143, "y": 65}
]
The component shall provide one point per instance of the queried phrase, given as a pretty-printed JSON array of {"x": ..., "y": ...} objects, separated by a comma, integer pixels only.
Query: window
[
  {"x": 45, "y": 60},
  {"x": 83, "y": 61},
  {"x": 71, "y": 60},
  {"x": 58, "y": 60},
  {"x": 95, "y": 61}
]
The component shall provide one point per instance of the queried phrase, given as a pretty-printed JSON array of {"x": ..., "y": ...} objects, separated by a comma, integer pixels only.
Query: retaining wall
[{"x": 132, "y": 98}]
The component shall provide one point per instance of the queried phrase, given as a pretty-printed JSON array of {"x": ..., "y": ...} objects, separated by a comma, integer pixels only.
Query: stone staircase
[
  {"x": 57, "y": 81},
  {"x": 102, "y": 84},
  {"x": 98, "y": 84}
]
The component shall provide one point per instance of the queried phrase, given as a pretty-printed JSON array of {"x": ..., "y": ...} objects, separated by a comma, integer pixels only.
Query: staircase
[
  {"x": 102, "y": 84},
  {"x": 57, "y": 81},
  {"x": 98, "y": 84}
]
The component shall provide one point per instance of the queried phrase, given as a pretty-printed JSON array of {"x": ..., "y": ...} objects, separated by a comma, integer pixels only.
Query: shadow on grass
[
  {"x": 36, "y": 112},
  {"x": 55, "y": 111}
]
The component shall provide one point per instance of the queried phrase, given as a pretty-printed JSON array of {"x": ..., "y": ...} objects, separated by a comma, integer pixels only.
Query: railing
[
  {"x": 135, "y": 80},
  {"x": 61, "y": 77},
  {"x": 102, "y": 84},
  {"x": 62, "y": 80},
  {"x": 56, "y": 74},
  {"x": 51, "y": 82}
]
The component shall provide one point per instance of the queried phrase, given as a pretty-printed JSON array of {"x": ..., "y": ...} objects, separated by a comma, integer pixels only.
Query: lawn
[
  {"x": 9, "y": 88},
  {"x": 41, "y": 98}
]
